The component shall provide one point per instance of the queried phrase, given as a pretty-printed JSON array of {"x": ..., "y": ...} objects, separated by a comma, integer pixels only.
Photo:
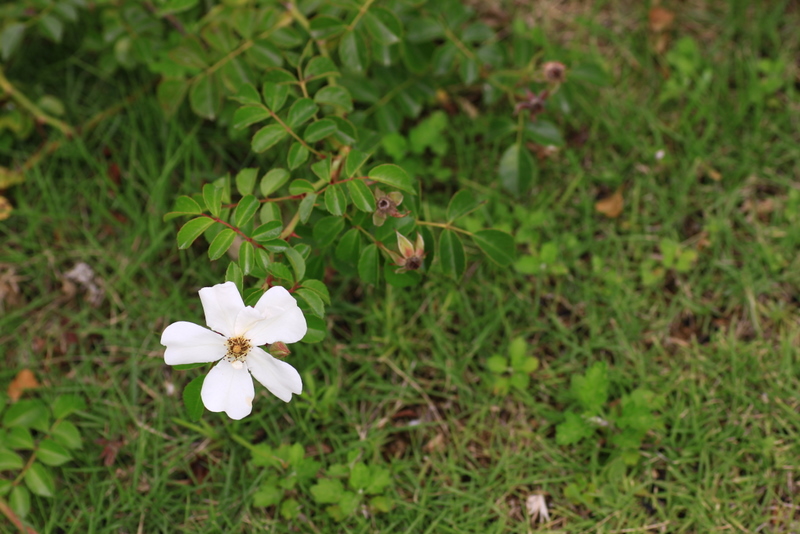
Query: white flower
[{"x": 237, "y": 332}]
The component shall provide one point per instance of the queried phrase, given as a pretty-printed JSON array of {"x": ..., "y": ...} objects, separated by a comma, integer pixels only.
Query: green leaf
[
  {"x": 221, "y": 244},
  {"x": 335, "y": 199},
  {"x": 275, "y": 95},
  {"x": 297, "y": 262},
  {"x": 267, "y": 231},
  {"x": 516, "y": 169},
  {"x": 322, "y": 169},
  {"x": 246, "y": 181},
  {"x": 280, "y": 271},
  {"x": 246, "y": 210},
  {"x": 10, "y": 460},
  {"x": 300, "y": 187},
  {"x": 380, "y": 503},
  {"x": 369, "y": 265},
  {"x": 290, "y": 509},
  {"x": 361, "y": 195},
  {"x": 359, "y": 476},
  {"x": 184, "y": 206},
  {"x": 67, "y": 434},
  {"x": 274, "y": 180},
  {"x": 192, "y": 230},
  {"x": 327, "y": 491},
  {"x": 497, "y": 364},
  {"x": 267, "y": 137},
  {"x": 316, "y": 131},
  {"x": 170, "y": 93},
  {"x": 543, "y": 132},
  {"x": 591, "y": 73},
  {"x": 247, "y": 95},
  {"x": 176, "y": 6},
  {"x": 401, "y": 280},
  {"x": 462, "y": 203},
  {"x": 323, "y": 26},
  {"x": 345, "y": 131},
  {"x": 349, "y": 247},
  {"x": 67, "y": 404},
  {"x": 192, "y": 400},
  {"x": 520, "y": 381},
  {"x": 355, "y": 159},
  {"x": 326, "y": 230},
  {"x": 51, "y": 453},
  {"x": 319, "y": 67},
  {"x": 268, "y": 495},
  {"x": 234, "y": 274},
  {"x": 317, "y": 330},
  {"x": 353, "y": 52},
  {"x": 451, "y": 254},
  {"x": 383, "y": 25},
  {"x": 204, "y": 97},
  {"x": 573, "y": 429},
  {"x": 19, "y": 438},
  {"x": 247, "y": 115},
  {"x": 313, "y": 300},
  {"x": 39, "y": 480},
  {"x": 393, "y": 176},
  {"x": 264, "y": 54},
  {"x": 302, "y": 110},
  {"x": 20, "y": 501},
  {"x": 335, "y": 95},
  {"x": 591, "y": 390},
  {"x": 5, "y": 487},
  {"x": 497, "y": 245},
  {"x": 212, "y": 195},
  {"x": 52, "y": 27},
  {"x": 10, "y": 38},
  {"x": 379, "y": 479},
  {"x": 298, "y": 154},
  {"x": 306, "y": 207},
  {"x": 27, "y": 414},
  {"x": 247, "y": 257},
  {"x": 468, "y": 70},
  {"x": 319, "y": 288}
]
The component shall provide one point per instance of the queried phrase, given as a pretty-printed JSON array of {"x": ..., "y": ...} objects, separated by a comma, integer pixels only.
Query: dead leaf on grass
[
  {"x": 25, "y": 379},
  {"x": 661, "y": 19},
  {"x": 611, "y": 206},
  {"x": 5, "y": 208}
]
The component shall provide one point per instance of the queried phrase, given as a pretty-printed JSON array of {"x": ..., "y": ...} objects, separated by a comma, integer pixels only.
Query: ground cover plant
[{"x": 596, "y": 330}]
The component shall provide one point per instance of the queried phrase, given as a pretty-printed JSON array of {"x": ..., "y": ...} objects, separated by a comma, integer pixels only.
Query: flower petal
[
  {"x": 221, "y": 304},
  {"x": 230, "y": 390},
  {"x": 280, "y": 378},
  {"x": 284, "y": 319},
  {"x": 246, "y": 320},
  {"x": 191, "y": 343}
]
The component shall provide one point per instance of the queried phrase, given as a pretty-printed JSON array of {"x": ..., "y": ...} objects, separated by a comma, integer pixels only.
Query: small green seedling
[
  {"x": 515, "y": 370},
  {"x": 366, "y": 483}
]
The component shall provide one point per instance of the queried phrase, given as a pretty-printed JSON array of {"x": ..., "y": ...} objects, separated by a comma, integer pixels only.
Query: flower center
[
  {"x": 384, "y": 204},
  {"x": 238, "y": 348}
]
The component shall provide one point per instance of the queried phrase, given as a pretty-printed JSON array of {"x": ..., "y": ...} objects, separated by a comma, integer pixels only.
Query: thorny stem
[
  {"x": 236, "y": 230},
  {"x": 445, "y": 226},
  {"x": 9, "y": 513}
]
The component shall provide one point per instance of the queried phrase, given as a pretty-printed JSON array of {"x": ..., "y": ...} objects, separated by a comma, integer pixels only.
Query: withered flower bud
[
  {"x": 411, "y": 255},
  {"x": 386, "y": 206},
  {"x": 554, "y": 71},
  {"x": 533, "y": 103}
]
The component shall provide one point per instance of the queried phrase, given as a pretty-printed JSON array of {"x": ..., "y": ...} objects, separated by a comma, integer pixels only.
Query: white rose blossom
[{"x": 236, "y": 333}]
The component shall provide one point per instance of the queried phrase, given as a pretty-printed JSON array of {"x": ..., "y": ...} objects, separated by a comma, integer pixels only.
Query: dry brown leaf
[
  {"x": 660, "y": 19},
  {"x": 24, "y": 380},
  {"x": 5, "y": 208},
  {"x": 611, "y": 206}
]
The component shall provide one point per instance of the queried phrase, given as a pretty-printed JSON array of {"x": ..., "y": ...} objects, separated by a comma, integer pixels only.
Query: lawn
[{"x": 655, "y": 289}]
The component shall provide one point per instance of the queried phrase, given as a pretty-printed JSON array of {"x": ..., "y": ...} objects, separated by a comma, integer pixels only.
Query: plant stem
[{"x": 32, "y": 108}]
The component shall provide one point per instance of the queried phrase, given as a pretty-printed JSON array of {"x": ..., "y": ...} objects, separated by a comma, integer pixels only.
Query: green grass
[{"x": 402, "y": 377}]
